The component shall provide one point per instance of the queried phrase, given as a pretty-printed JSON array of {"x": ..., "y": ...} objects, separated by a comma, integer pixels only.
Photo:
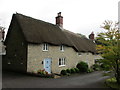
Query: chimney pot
[
  {"x": 59, "y": 14},
  {"x": 91, "y": 36}
]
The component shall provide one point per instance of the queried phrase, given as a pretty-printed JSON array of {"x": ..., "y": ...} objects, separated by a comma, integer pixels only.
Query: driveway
[{"x": 90, "y": 80}]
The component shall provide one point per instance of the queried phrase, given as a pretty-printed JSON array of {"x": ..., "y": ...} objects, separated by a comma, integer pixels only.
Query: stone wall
[{"x": 36, "y": 57}]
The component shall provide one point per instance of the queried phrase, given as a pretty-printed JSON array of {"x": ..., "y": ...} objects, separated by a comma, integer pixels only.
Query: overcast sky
[{"x": 79, "y": 16}]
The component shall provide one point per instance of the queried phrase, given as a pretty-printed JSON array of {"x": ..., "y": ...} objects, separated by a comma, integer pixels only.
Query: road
[{"x": 90, "y": 80}]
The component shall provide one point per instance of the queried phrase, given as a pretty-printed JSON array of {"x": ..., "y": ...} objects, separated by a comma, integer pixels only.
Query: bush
[
  {"x": 64, "y": 72},
  {"x": 112, "y": 83},
  {"x": 82, "y": 66},
  {"x": 68, "y": 71},
  {"x": 42, "y": 72},
  {"x": 105, "y": 67},
  {"x": 90, "y": 70},
  {"x": 96, "y": 67},
  {"x": 77, "y": 70},
  {"x": 73, "y": 70}
]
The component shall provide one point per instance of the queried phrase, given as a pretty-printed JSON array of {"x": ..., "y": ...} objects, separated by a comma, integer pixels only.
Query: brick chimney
[
  {"x": 2, "y": 33},
  {"x": 91, "y": 36},
  {"x": 59, "y": 20}
]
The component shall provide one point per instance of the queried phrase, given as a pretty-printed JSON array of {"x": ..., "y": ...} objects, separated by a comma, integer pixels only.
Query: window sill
[
  {"x": 62, "y": 50},
  {"x": 62, "y": 65},
  {"x": 44, "y": 50}
]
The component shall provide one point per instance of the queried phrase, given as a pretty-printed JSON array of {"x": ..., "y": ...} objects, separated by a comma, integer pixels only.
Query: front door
[{"x": 47, "y": 65}]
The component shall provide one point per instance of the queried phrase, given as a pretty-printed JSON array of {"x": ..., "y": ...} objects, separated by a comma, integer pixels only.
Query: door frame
[{"x": 50, "y": 60}]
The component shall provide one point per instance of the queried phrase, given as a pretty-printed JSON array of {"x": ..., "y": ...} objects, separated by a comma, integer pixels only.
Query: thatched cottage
[{"x": 33, "y": 44}]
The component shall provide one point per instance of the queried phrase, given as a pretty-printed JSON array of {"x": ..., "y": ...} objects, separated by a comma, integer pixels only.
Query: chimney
[
  {"x": 2, "y": 33},
  {"x": 59, "y": 20},
  {"x": 91, "y": 36}
]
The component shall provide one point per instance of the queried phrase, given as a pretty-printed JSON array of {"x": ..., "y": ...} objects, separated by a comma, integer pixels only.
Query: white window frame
[
  {"x": 62, "y": 48},
  {"x": 45, "y": 47},
  {"x": 62, "y": 62}
]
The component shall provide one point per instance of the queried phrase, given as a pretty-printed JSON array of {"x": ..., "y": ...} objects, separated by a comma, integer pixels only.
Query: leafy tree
[{"x": 109, "y": 47}]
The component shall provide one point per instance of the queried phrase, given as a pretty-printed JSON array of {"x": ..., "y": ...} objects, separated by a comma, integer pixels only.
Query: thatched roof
[{"x": 38, "y": 31}]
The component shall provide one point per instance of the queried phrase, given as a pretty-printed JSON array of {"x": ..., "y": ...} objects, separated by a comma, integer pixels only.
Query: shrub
[
  {"x": 64, "y": 72},
  {"x": 90, "y": 70},
  {"x": 73, "y": 70},
  {"x": 105, "y": 67},
  {"x": 68, "y": 71},
  {"x": 82, "y": 66},
  {"x": 42, "y": 72},
  {"x": 96, "y": 67},
  {"x": 77, "y": 70}
]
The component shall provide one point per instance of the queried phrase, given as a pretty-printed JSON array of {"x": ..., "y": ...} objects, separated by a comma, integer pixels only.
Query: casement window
[
  {"x": 45, "y": 47},
  {"x": 61, "y": 47},
  {"x": 61, "y": 61}
]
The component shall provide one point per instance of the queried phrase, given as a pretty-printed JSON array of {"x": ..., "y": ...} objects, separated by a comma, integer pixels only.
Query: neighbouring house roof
[{"x": 38, "y": 31}]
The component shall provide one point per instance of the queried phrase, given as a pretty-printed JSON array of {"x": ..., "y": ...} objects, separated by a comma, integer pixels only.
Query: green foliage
[
  {"x": 64, "y": 72},
  {"x": 105, "y": 67},
  {"x": 90, "y": 70},
  {"x": 82, "y": 66},
  {"x": 96, "y": 67},
  {"x": 73, "y": 70},
  {"x": 76, "y": 70},
  {"x": 112, "y": 82},
  {"x": 68, "y": 71},
  {"x": 109, "y": 46}
]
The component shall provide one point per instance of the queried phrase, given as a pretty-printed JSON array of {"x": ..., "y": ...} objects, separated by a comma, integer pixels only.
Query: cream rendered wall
[{"x": 36, "y": 56}]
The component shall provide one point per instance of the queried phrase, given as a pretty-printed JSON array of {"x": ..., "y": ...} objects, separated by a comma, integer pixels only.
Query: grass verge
[{"x": 112, "y": 83}]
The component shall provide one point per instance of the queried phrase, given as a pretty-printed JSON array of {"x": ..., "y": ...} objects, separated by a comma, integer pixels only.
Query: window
[
  {"x": 61, "y": 61},
  {"x": 45, "y": 47},
  {"x": 61, "y": 47}
]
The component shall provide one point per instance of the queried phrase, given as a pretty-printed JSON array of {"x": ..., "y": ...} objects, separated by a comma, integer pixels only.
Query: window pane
[
  {"x": 64, "y": 61},
  {"x": 59, "y": 61},
  {"x": 61, "y": 47},
  {"x": 43, "y": 46},
  {"x": 46, "y": 46}
]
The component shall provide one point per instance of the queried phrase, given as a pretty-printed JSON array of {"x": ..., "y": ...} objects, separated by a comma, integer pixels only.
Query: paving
[{"x": 89, "y": 80}]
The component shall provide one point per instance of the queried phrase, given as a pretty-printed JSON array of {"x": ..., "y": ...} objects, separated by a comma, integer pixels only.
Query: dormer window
[
  {"x": 45, "y": 47},
  {"x": 61, "y": 48}
]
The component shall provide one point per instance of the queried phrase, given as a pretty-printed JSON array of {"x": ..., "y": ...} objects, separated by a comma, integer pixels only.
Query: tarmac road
[{"x": 89, "y": 80}]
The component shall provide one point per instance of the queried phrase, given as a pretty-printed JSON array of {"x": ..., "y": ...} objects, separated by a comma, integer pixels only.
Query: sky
[{"x": 79, "y": 16}]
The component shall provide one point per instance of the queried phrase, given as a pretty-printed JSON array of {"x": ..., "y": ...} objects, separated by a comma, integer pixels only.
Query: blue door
[{"x": 47, "y": 65}]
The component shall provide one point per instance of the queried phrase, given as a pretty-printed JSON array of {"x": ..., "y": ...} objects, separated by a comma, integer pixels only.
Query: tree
[{"x": 109, "y": 47}]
